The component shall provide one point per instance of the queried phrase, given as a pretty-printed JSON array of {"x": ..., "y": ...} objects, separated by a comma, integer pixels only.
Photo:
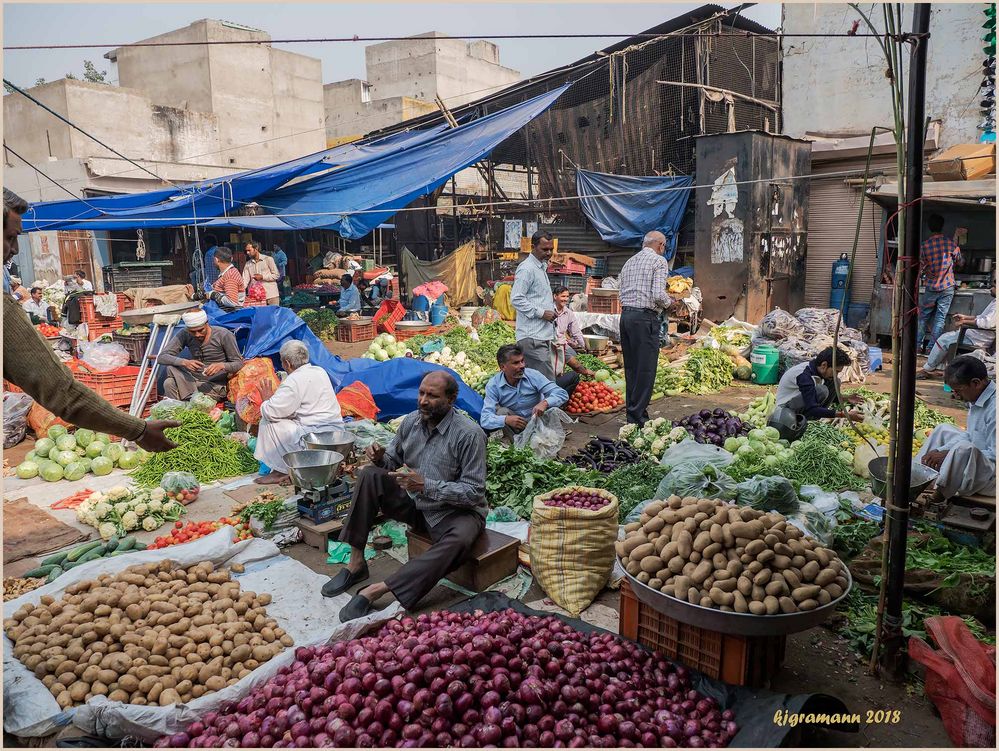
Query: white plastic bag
[
  {"x": 15, "y": 418},
  {"x": 690, "y": 451},
  {"x": 105, "y": 357},
  {"x": 544, "y": 435}
]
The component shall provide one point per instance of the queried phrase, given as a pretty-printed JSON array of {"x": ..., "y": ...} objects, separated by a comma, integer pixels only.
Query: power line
[
  {"x": 47, "y": 177},
  {"x": 903, "y": 36}
]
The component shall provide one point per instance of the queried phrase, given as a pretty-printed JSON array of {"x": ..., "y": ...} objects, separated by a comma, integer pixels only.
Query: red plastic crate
[
  {"x": 738, "y": 660},
  {"x": 569, "y": 267},
  {"x": 88, "y": 313},
  {"x": 610, "y": 304},
  {"x": 116, "y": 386},
  {"x": 390, "y": 312},
  {"x": 362, "y": 332}
]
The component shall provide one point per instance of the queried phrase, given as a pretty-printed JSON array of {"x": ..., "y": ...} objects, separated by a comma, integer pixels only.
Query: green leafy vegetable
[
  {"x": 708, "y": 371},
  {"x": 514, "y": 476}
]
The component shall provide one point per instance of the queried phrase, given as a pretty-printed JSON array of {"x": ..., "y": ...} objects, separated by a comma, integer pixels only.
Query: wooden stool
[{"x": 493, "y": 558}]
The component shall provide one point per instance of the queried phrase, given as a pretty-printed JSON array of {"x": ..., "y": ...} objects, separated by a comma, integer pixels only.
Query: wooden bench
[{"x": 494, "y": 557}]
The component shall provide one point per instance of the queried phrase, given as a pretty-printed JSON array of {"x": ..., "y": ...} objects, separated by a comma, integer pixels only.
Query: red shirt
[
  {"x": 937, "y": 257},
  {"x": 230, "y": 284}
]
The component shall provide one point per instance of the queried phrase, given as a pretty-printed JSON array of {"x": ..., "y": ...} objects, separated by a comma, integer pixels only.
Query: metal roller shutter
[{"x": 832, "y": 221}]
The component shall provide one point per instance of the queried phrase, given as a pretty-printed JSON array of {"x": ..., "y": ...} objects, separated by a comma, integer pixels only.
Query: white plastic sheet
[{"x": 31, "y": 711}]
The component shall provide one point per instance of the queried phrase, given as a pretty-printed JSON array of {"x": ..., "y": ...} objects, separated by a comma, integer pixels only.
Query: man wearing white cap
[{"x": 214, "y": 359}]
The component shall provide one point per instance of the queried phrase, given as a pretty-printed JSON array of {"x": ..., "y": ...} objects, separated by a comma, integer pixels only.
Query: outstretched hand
[{"x": 154, "y": 439}]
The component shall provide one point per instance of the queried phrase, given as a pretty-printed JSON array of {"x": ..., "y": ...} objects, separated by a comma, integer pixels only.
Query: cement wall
[
  {"x": 347, "y": 116},
  {"x": 836, "y": 85}
]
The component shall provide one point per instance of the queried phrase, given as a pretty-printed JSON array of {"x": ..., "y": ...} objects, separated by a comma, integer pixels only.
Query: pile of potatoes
[
  {"x": 153, "y": 634},
  {"x": 732, "y": 558}
]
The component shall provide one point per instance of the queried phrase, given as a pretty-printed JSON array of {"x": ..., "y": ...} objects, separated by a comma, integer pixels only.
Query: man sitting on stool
[
  {"x": 433, "y": 478},
  {"x": 517, "y": 393},
  {"x": 965, "y": 460}
]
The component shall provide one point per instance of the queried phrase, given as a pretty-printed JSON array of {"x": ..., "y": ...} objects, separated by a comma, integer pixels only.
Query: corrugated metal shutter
[{"x": 832, "y": 221}]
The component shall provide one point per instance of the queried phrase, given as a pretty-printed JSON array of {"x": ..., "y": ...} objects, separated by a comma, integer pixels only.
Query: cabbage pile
[
  {"x": 61, "y": 455},
  {"x": 385, "y": 347},
  {"x": 121, "y": 510}
]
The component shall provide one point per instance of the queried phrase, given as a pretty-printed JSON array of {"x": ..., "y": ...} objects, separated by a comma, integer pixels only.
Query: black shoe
[
  {"x": 358, "y": 607},
  {"x": 343, "y": 581}
]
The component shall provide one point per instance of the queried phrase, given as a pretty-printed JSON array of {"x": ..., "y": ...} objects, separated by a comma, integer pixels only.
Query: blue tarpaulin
[
  {"x": 382, "y": 185},
  {"x": 260, "y": 332},
  {"x": 623, "y": 208}
]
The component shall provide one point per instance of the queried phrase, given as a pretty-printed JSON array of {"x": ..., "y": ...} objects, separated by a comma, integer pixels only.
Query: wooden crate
[
  {"x": 494, "y": 558},
  {"x": 738, "y": 660}
]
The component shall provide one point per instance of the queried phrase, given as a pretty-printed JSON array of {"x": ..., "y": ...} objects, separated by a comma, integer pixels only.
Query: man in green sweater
[{"x": 30, "y": 364}]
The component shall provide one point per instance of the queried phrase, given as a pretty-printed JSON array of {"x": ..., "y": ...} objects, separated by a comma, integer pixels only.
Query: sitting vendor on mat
[
  {"x": 215, "y": 358},
  {"x": 304, "y": 403},
  {"x": 517, "y": 393},
  {"x": 433, "y": 478},
  {"x": 965, "y": 459},
  {"x": 805, "y": 393},
  {"x": 350, "y": 297},
  {"x": 568, "y": 339}
]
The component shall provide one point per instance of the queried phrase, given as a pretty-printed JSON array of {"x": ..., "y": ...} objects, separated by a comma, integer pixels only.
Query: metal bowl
[
  {"x": 140, "y": 316},
  {"x": 920, "y": 479},
  {"x": 596, "y": 343},
  {"x": 356, "y": 321},
  {"x": 601, "y": 292},
  {"x": 313, "y": 469},
  {"x": 412, "y": 325},
  {"x": 744, "y": 624},
  {"x": 340, "y": 441}
]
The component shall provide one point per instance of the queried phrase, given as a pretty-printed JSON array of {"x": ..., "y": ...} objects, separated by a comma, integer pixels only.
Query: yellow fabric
[
  {"x": 572, "y": 551},
  {"x": 456, "y": 270},
  {"x": 501, "y": 302}
]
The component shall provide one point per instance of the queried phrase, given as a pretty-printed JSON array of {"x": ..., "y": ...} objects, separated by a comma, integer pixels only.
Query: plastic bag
[
  {"x": 813, "y": 522},
  {"x": 689, "y": 451},
  {"x": 545, "y": 434},
  {"x": 779, "y": 324},
  {"x": 824, "y": 502},
  {"x": 257, "y": 379},
  {"x": 767, "y": 494},
  {"x": 167, "y": 409},
  {"x": 356, "y": 400},
  {"x": 256, "y": 291},
  {"x": 182, "y": 487},
  {"x": 689, "y": 479},
  {"x": 226, "y": 422},
  {"x": 103, "y": 357},
  {"x": 502, "y": 514},
  {"x": 368, "y": 432},
  {"x": 15, "y": 418},
  {"x": 202, "y": 402}
]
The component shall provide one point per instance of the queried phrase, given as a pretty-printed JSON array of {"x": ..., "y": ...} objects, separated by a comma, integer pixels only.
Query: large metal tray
[
  {"x": 742, "y": 624},
  {"x": 356, "y": 321},
  {"x": 140, "y": 316}
]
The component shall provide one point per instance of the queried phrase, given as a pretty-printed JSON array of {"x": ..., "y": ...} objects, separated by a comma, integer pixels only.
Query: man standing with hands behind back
[
  {"x": 531, "y": 297},
  {"x": 643, "y": 304}
]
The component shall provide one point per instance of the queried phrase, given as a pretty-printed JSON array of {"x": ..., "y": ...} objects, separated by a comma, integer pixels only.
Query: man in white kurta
[
  {"x": 966, "y": 459},
  {"x": 304, "y": 403}
]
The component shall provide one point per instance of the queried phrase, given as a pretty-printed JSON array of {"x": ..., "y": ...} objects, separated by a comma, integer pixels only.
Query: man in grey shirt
[
  {"x": 433, "y": 478},
  {"x": 532, "y": 298},
  {"x": 214, "y": 359}
]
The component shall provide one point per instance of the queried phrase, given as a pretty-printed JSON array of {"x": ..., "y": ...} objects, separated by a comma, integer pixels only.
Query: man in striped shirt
[
  {"x": 433, "y": 478},
  {"x": 643, "y": 304},
  {"x": 227, "y": 291},
  {"x": 532, "y": 298},
  {"x": 937, "y": 257}
]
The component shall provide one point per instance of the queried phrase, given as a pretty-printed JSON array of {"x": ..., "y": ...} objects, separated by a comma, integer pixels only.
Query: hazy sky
[{"x": 114, "y": 24}]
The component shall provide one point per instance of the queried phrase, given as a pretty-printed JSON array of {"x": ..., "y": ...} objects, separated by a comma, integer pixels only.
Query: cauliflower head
[
  {"x": 154, "y": 506},
  {"x": 658, "y": 446},
  {"x": 107, "y": 530},
  {"x": 627, "y": 431},
  {"x": 129, "y": 521},
  {"x": 118, "y": 492},
  {"x": 150, "y": 523},
  {"x": 639, "y": 443},
  {"x": 102, "y": 510},
  {"x": 157, "y": 494},
  {"x": 141, "y": 509}
]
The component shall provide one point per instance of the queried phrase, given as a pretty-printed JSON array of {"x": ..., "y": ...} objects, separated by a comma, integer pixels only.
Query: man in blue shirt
[
  {"x": 517, "y": 393},
  {"x": 281, "y": 261},
  {"x": 211, "y": 271},
  {"x": 350, "y": 298},
  {"x": 531, "y": 297}
]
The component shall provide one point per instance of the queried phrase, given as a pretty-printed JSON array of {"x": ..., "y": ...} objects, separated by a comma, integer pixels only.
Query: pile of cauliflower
[
  {"x": 120, "y": 510},
  {"x": 654, "y": 438},
  {"x": 460, "y": 363}
]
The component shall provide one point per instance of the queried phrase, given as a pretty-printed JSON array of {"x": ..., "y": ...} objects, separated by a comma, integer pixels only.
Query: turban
[{"x": 195, "y": 318}]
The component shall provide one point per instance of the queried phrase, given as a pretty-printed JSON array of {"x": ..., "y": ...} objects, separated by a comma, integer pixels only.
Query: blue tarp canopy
[
  {"x": 394, "y": 384},
  {"x": 623, "y": 208}
]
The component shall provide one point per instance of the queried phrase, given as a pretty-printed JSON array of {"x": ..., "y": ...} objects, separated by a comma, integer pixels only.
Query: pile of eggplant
[
  {"x": 709, "y": 426},
  {"x": 604, "y": 455}
]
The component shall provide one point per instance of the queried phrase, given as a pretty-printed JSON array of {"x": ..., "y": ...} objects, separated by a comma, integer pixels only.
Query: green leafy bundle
[
  {"x": 514, "y": 476},
  {"x": 708, "y": 371}
]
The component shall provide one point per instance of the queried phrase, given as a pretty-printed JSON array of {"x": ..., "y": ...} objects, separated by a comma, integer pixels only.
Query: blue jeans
[{"x": 937, "y": 305}]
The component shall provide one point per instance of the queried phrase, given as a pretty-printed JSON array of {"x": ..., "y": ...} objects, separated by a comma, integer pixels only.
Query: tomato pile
[
  {"x": 593, "y": 396},
  {"x": 47, "y": 329},
  {"x": 182, "y": 532}
]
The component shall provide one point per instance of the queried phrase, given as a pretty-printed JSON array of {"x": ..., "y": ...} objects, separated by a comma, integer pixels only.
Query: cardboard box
[{"x": 966, "y": 161}]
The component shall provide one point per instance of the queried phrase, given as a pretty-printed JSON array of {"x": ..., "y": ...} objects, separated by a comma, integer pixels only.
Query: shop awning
[{"x": 973, "y": 195}]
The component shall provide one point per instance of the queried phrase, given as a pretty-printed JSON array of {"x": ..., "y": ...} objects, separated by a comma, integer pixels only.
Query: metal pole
[{"x": 894, "y": 657}]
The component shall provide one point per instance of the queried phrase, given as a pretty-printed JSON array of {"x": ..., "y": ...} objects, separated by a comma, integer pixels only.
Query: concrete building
[{"x": 403, "y": 77}]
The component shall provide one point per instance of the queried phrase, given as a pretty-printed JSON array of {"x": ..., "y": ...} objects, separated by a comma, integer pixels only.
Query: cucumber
[
  {"x": 139, "y": 546},
  {"x": 55, "y": 559},
  {"x": 93, "y": 555},
  {"x": 39, "y": 573},
  {"x": 53, "y": 574},
  {"x": 111, "y": 544},
  {"x": 126, "y": 543},
  {"x": 120, "y": 552},
  {"x": 77, "y": 553}
]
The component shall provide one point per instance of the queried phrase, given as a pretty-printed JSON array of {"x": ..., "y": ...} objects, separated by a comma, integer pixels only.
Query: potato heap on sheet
[{"x": 151, "y": 634}]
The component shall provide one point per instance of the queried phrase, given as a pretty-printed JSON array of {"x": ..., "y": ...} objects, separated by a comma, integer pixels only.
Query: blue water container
[
  {"x": 839, "y": 295},
  {"x": 420, "y": 303},
  {"x": 438, "y": 312},
  {"x": 876, "y": 357}
]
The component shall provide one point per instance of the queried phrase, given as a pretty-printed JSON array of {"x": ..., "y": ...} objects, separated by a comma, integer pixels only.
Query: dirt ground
[{"x": 816, "y": 660}]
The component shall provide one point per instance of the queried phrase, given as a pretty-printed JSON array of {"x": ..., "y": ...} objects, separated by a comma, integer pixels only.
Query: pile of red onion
[
  {"x": 579, "y": 498},
  {"x": 470, "y": 680}
]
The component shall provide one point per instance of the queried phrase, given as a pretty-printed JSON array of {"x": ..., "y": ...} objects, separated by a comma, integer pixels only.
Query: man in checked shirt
[
  {"x": 937, "y": 257},
  {"x": 433, "y": 478},
  {"x": 643, "y": 304}
]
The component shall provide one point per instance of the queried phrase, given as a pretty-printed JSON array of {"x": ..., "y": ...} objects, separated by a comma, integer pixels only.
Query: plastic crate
[
  {"x": 737, "y": 660},
  {"x": 116, "y": 387},
  {"x": 573, "y": 283},
  {"x": 601, "y": 266},
  {"x": 609, "y": 304},
  {"x": 389, "y": 313},
  {"x": 135, "y": 344},
  {"x": 88, "y": 313},
  {"x": 569, "y": 267},
  {"x": 362, "y": 332},
  {"x": 119, "y": 279}
]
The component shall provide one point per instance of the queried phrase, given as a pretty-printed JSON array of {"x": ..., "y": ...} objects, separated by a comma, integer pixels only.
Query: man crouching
[{"x": 433, "y": 478}]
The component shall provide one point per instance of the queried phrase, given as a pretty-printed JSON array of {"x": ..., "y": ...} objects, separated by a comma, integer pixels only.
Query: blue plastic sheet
[
  {"x": 623, "y": 208},
  {"x": 394, "y": 384}
]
